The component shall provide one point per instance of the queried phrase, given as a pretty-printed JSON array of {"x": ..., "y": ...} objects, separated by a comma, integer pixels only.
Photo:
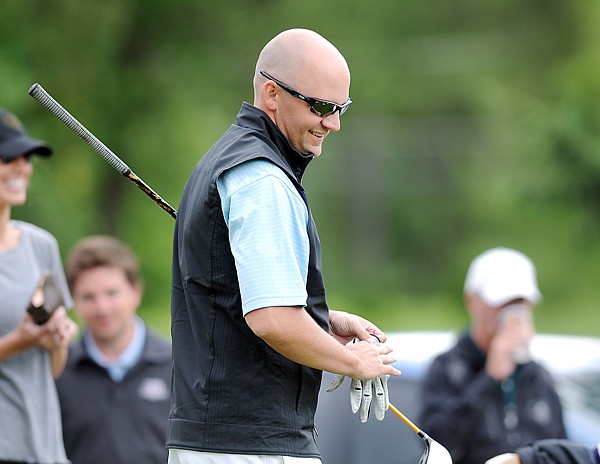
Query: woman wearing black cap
[{"x": 31, "y": 355}]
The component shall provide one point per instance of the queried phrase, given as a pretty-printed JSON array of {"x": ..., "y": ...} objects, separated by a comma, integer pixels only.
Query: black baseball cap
[{"x": 15, "y": 142}]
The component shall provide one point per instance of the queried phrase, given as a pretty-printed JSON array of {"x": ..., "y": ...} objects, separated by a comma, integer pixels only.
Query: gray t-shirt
[{"x": 30, "y": 423}]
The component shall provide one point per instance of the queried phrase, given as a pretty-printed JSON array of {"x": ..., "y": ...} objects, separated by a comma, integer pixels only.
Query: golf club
[
  {"x": 434, "y": 452},
  {"x": 38, "y": 92}
]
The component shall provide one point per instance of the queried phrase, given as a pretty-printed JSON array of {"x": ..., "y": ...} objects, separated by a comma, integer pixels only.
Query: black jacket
[
  {"x": 118, "y": 423},
  {"x": 476, "y": 417},
  {"x": 553, "y": 451},
  {"x": 232, "y": 393}
]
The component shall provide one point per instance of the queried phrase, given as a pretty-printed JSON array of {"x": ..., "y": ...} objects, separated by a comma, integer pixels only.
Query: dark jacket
[
  {"x": 233, "y": 393},
  {"x": 552, "y": 451},
  {"x": 118, "y": 423},
  {"x": 476, "y": 417}
]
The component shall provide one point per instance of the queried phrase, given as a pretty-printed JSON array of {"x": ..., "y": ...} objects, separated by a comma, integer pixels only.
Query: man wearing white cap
[{"x": 485, "y": 396}]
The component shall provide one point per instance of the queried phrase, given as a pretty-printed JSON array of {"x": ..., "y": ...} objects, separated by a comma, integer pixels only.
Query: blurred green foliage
[{"x": 475, "y": 124}]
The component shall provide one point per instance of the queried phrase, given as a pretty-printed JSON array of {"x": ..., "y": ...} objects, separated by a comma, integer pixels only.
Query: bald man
[{"x": 251, "y": 329}]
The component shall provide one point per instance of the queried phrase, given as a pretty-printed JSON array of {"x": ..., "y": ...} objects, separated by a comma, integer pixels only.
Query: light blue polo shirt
[{"x": 268, "y": 223}]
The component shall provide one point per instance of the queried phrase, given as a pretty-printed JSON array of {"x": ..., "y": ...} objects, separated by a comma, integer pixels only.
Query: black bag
[{"x": 46, "y": 298}]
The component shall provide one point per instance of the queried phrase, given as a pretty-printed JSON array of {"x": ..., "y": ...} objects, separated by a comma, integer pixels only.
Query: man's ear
[
  {"x": 270, "y": 92},
  {"x": 472, "y": 303}
]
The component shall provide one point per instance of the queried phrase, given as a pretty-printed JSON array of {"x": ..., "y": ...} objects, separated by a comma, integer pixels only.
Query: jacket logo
[{"x": 154, "y": 389}]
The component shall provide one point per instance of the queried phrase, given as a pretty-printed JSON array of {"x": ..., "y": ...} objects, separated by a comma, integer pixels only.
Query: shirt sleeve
[
  {"x": 553, "y": 451},
  {"x": 268, "y": 223}
]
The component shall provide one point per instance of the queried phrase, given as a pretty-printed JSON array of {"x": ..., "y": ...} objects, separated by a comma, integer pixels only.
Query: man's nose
[{"x": 332, "y": 122}]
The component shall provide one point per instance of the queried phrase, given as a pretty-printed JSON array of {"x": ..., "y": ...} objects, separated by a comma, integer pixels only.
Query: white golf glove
[{"x": 361, "y": 395}]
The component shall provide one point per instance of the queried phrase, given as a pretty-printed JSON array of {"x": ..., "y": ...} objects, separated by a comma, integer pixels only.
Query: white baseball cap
[{"x": 500, "y": 275}]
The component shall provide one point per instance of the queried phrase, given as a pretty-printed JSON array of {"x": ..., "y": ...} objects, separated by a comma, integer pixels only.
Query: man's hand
[
  {"x": 361, "y": 392},
  {"x": 345, "y": 327},
  {"x": 508, "y": 458},
  {"x": 509, "y": 346}
]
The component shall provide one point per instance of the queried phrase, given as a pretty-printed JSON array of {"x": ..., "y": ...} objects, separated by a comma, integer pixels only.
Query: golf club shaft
[
  {"x": 406, "y": 420},
  {"x": 38, "y": 92}
]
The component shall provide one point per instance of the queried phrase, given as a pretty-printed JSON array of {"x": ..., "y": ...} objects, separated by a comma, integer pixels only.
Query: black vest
[{"x": 233, "y": 393}]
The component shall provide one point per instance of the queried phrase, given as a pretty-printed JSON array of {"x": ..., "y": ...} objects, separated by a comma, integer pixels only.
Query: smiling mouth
[
  {"x": 319, "y": 135},
  {"x": 15, "y": 183}
]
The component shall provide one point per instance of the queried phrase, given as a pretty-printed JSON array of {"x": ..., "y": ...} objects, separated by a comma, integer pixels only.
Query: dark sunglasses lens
[
  {"x": 325, "y": 109},
  {"x": 7, "y": 160}
]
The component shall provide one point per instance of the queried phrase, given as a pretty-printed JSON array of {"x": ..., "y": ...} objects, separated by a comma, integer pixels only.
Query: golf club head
[{"x": 434, "y": 452}]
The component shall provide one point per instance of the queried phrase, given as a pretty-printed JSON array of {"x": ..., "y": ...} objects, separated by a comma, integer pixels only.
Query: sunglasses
[
  {"x": 27, "y": 157},
  {"x": 321, "y": 108}
]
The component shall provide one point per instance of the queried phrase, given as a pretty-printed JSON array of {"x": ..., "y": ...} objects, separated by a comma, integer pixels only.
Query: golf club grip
[{"x": 38, "y": 92}]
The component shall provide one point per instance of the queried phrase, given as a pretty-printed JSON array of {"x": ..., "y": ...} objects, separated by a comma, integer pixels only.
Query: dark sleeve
[{"x": 555, "y": 451}]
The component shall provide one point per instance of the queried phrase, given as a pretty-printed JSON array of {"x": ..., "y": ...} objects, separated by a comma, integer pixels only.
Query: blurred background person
[
  {"x": 485, "y": 396},
  {"x": 115, "y": 390},
  {"x": 30, "y": 355}
]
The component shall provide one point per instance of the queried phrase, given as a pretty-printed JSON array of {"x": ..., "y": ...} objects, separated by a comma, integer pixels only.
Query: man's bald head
[
  {"x": 301, "y": 58},
  {"x": 314, "y": 68}
]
